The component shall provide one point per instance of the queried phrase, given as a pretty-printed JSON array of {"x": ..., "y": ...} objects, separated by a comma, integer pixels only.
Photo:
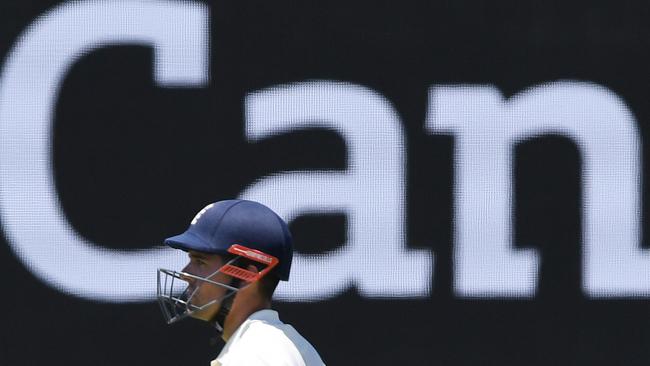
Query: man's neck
[{"x": 240, "y": 311}]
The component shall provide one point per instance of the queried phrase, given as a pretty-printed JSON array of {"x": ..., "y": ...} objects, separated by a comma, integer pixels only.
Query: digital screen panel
[{"x": 455, "y": 197}]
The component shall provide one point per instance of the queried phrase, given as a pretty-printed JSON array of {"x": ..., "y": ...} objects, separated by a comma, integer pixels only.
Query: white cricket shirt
[{"x": 263, "y": 340}]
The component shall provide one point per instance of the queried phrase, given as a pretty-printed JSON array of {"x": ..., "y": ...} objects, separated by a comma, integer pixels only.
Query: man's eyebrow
[{"x": 196, "y": 255}]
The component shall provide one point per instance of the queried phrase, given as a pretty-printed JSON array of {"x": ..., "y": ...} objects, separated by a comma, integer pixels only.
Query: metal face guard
[{"x": 175, "y": 295}]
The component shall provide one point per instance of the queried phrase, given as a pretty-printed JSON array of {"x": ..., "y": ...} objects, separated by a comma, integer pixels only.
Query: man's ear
[{"x": 252, "y": 268}]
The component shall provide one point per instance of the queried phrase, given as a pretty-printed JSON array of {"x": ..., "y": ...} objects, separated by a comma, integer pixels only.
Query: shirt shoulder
[{"x": 269, "y": 342}]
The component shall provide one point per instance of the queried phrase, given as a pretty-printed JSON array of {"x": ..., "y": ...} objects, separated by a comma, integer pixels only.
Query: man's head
[{"x": 213, "y": 273}]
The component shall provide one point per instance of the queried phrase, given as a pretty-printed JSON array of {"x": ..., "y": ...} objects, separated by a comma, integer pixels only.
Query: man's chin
[{"x": 206, "y": 314}]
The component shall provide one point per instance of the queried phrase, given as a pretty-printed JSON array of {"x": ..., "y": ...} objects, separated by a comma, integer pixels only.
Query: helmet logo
[{"x": 198, "y": 215}]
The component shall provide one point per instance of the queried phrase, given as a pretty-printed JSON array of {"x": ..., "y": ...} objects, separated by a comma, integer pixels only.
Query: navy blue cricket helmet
[{"x": 221, "y": 224}]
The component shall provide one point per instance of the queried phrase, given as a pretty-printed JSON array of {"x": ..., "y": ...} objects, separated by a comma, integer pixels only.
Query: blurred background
[{"x": 465, "y": 181}]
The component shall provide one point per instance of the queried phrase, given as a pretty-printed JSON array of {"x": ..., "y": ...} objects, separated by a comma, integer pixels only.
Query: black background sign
[{"x": 133, "y": 162}]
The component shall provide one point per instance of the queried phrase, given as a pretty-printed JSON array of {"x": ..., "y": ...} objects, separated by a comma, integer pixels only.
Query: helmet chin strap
[{"x": 219, "y": 318}]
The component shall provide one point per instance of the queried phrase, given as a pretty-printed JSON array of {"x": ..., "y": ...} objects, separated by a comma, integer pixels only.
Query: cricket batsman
[{"x": 238, "y": 252}]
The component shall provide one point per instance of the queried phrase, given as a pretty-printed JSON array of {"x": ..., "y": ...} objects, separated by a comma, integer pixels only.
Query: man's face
[{"x": 204, "y": 265}]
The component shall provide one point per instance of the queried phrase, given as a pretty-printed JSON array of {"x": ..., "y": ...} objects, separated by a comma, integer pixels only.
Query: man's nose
[{"x": 184, "y": 275}]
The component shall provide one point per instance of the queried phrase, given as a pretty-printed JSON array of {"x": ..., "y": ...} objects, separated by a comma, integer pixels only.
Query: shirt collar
[{"x": 264, "y": 315}]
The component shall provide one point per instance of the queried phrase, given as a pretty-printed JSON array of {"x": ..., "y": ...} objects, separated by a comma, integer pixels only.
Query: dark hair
[{"x": 268, "y": 284}]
